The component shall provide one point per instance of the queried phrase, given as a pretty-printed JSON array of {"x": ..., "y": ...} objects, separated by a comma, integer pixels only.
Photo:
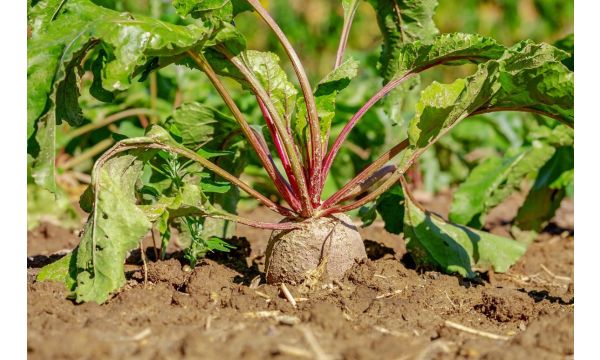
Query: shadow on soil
[
  {"x": 235, "y": 259},
  {"x": 538, "y": 296},
  {"x": 39, "y": 261}
]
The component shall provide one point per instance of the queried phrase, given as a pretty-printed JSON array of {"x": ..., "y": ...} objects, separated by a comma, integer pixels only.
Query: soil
[{"x": 383, "y": 308}]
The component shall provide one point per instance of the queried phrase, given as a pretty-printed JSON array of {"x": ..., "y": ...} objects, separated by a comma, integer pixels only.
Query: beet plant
[{"x": 195, "y": 154}]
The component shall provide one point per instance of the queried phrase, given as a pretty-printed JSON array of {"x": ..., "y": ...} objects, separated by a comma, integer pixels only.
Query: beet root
[{"x": 329, "y": 245}]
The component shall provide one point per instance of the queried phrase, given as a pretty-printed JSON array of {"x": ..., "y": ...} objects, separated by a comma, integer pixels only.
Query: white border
[
  {"x": 13, "y": 94},
  {"x": 587, "y": 178}
]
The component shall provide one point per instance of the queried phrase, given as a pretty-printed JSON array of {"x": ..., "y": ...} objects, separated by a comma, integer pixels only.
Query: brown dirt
[{"x": 382, "y": 309}]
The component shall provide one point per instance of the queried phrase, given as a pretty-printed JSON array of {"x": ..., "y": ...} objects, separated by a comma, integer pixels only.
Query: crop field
[{"x": 286, "y": 179}]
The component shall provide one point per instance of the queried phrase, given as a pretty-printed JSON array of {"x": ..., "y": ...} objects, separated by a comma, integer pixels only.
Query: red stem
[
  {"x": 316, "y": 144},
  {"x": 359, "y": 114},
  {"x": 282, "y": 186},
  {"x": 279, "y": 146},
  {"x": 365, "y": 174},
  {"x": 334, "y": 208},
  {"x": 263, "y": 154},
  {"x": 380, "y": 94}
]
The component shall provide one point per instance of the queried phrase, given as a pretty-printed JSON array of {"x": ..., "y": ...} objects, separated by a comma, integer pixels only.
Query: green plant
[{"x": 203, "y": 149}]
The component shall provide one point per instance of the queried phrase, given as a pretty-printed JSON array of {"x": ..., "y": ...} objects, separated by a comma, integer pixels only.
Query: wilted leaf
[{"x": 115, "y": 227}]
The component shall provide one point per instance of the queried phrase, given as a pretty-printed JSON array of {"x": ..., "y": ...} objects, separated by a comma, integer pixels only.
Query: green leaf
[
  {"x": 215, "y": 243},
  {"x": 266, "y": 68},
  {"x": 54, "y": 56},
  {"x": 215, "y": 10},
  {"x": 338, "y": 79},
  {"x": 568, "y": 44},
  {"x": 96, "y": 89},
  {"x": 438, "y": 104},
  {"x": 390, "y": 207},
  {"x": 115, "y": 227},
  {"x": 325, "y": 97},
  {"x": 533, "y": 78},
  {"x": 197, "y": 124},
  {"x": 493, "y": 180},
  {"x": 451, "y": 49},
  {"x": 328, "y": 89},
  {"x": 367, "y": 214},
  {"x": 566, "y": 181},
  {"x": 61, "y": 270},
  {"x": 231, "y": 39},
  {"x": 40, "y": 15},
  {"x": 220, "y": 196},
  {"x": 211, "y": 186},
  {"x": 212, "y": 10},
  {"x": 553, "y": 181},
  {"x": 525, "y": 78},
  {"x": 199, "y": 246},
  {"x": 401, "y": 22},
  {"x": 432, "y": 241}
]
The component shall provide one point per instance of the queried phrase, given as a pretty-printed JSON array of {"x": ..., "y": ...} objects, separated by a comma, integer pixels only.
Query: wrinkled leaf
[
  {"x": 54, "y": 57},
  {"x": 568, "y": 44},
  {"x": 534, "y": 79},
  {"x": 215, "y": 10},
  {"x": 453, "y": 49},
  {"x": 401, "y": 22},
  {"x": 514, "y": 82}
]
